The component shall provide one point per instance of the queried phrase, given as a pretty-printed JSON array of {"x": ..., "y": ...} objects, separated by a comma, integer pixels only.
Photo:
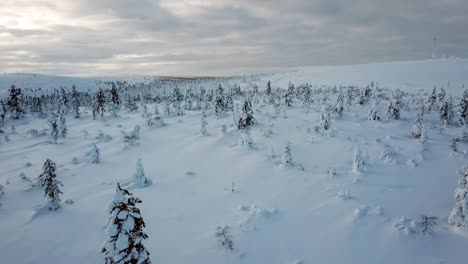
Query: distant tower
[{"x": 434, "y": 49}]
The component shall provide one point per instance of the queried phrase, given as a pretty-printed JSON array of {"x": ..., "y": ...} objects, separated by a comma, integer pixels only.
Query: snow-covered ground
[{"x": 325, "y": 213}]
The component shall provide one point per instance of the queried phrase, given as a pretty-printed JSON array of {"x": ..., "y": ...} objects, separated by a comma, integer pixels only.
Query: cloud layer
[{"x": 218, "y": 37}]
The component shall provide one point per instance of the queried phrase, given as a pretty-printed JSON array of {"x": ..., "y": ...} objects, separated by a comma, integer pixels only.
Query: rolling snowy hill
[{"x": 318, "y": 210}]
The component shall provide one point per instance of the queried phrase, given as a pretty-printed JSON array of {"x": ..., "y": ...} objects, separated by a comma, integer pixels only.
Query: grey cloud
[{"x": 231, "y": 36}]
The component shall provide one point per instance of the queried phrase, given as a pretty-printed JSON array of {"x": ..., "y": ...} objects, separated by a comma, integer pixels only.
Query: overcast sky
[{"x": 217, "y": 37}]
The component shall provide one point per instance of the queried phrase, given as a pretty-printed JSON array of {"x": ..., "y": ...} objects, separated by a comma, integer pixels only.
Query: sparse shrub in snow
[
  {"x": 324, "y": 118},
  {"x": 7, "y": 138},
  {"x": 267, "y": 133},
  {"x": 35, "y": 133},
  {"x": 463, "y": 137},
  {"x": 427, "y": 222},
  {"x": 424, "y": 224},
  {"x": 203, "y": 130},
  {"x": 459, "y": 214},
  {"x": 374, "y": 112},
  {"x": 48, "y": 181},
  {"x": 139, "y": 178},
  {"x": 387, "y": 154},
  {"x": 406, "y": 225},
  {"x": 54, "y": 130},
  {"x": 246, "y": 138},
  {"x": 463, "y": 110},
  {"x": 358, "y": 160},
  {"x": 393, "y": 110},
  {"x": 156, "y": 121},
  {"x": 271, "y": 152},
  {"x": 75, "y": 160},
  {"x": 412, "y": 163},
  {"x": 125, "y": 231},
  {"x": 343, "y": 195},
  {"x": 224, "y": 238},
  {"x": 95, "y": 155},
  {"x": 24, "y": 178},
  {"x": 69, "y": 201},
  {"x": 102, "y": 137},
  {"x": 331, "y": 172},
  {"x": 27, "y": 164},
  {"x": 132, "y": 137},
  {"x": 453, "y": 145}
]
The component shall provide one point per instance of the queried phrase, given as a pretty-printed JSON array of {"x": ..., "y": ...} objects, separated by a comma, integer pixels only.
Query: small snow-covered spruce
[
  {"x": 222, "y": 233},
  {"x": 339, "y": 106},
  {"x": 324, "y": 118},
  {"x": 132, "y": 137},
  {"x": 115, "y": 101},
  {"x": 203, "y": 130},
  {"x": 95, "y": 155},
  {"x": 62, "y": 125},
  {"x": 374, "y": 112},
  {"x": 431, "y": 100},
  {"x": 358, "y": 160},
  {"x": 287, "y": 159},
  {"x": 140, "y": 179},
  {"x": 418, "y": 128},
  {"x": 125, "y": 231},
  {"x": 463, "y": 110},
  {"x": 459, "y": 214},
  {"x": 48, "y": 181},
  {"x": 75, "y": 101},
  {"x": 446, "y": 112},
  {"x": 246, "y": 120},
  {"x": 307, "y": 94},
  {"x": 393, "y": 110},
  {"x": 54, "y": 130}
]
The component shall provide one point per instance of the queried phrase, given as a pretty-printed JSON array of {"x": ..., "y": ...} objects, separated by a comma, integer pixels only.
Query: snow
[{"x": 321, "y": 213}]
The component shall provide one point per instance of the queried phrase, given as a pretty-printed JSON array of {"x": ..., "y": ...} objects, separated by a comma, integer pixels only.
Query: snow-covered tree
[
  {"x": 446, "y": 112},
  {"x": 287, "y": 159},
  {"x": 48, "y": 180},
  {"x": 203, "y": 130},
  {"x": 219, "y": 101},
  {"x": 75, "y": 101},
  {"x": 268, "y": 89},
  {"x": 114, "y": 101},
  {"x": 431, "y": 100},
  {"x": 393, "y": 110},
  {"x": 54, "y": 128},
  {"x": 100, "y": 102},
  {"x": 139, "y": 178},
  {"x": 358, "y": 160},
  {"x": 324, "y": 118},
  {"x": 418, "y": 128},
  {"x": 459, "y": 214},
  {"x": 126, "y": 231},
  {"x": 339, "y": 106},
  {"x": 374, "y": 112},
  {"x": 307, "y": 98},
  {"x": 14, "y": 102},
  {"x": 247, "y": 119},
  {"x": 62, "y": 126},
  {"x": 463, "y": 110},
  {"x": 95, "y": 155}
]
